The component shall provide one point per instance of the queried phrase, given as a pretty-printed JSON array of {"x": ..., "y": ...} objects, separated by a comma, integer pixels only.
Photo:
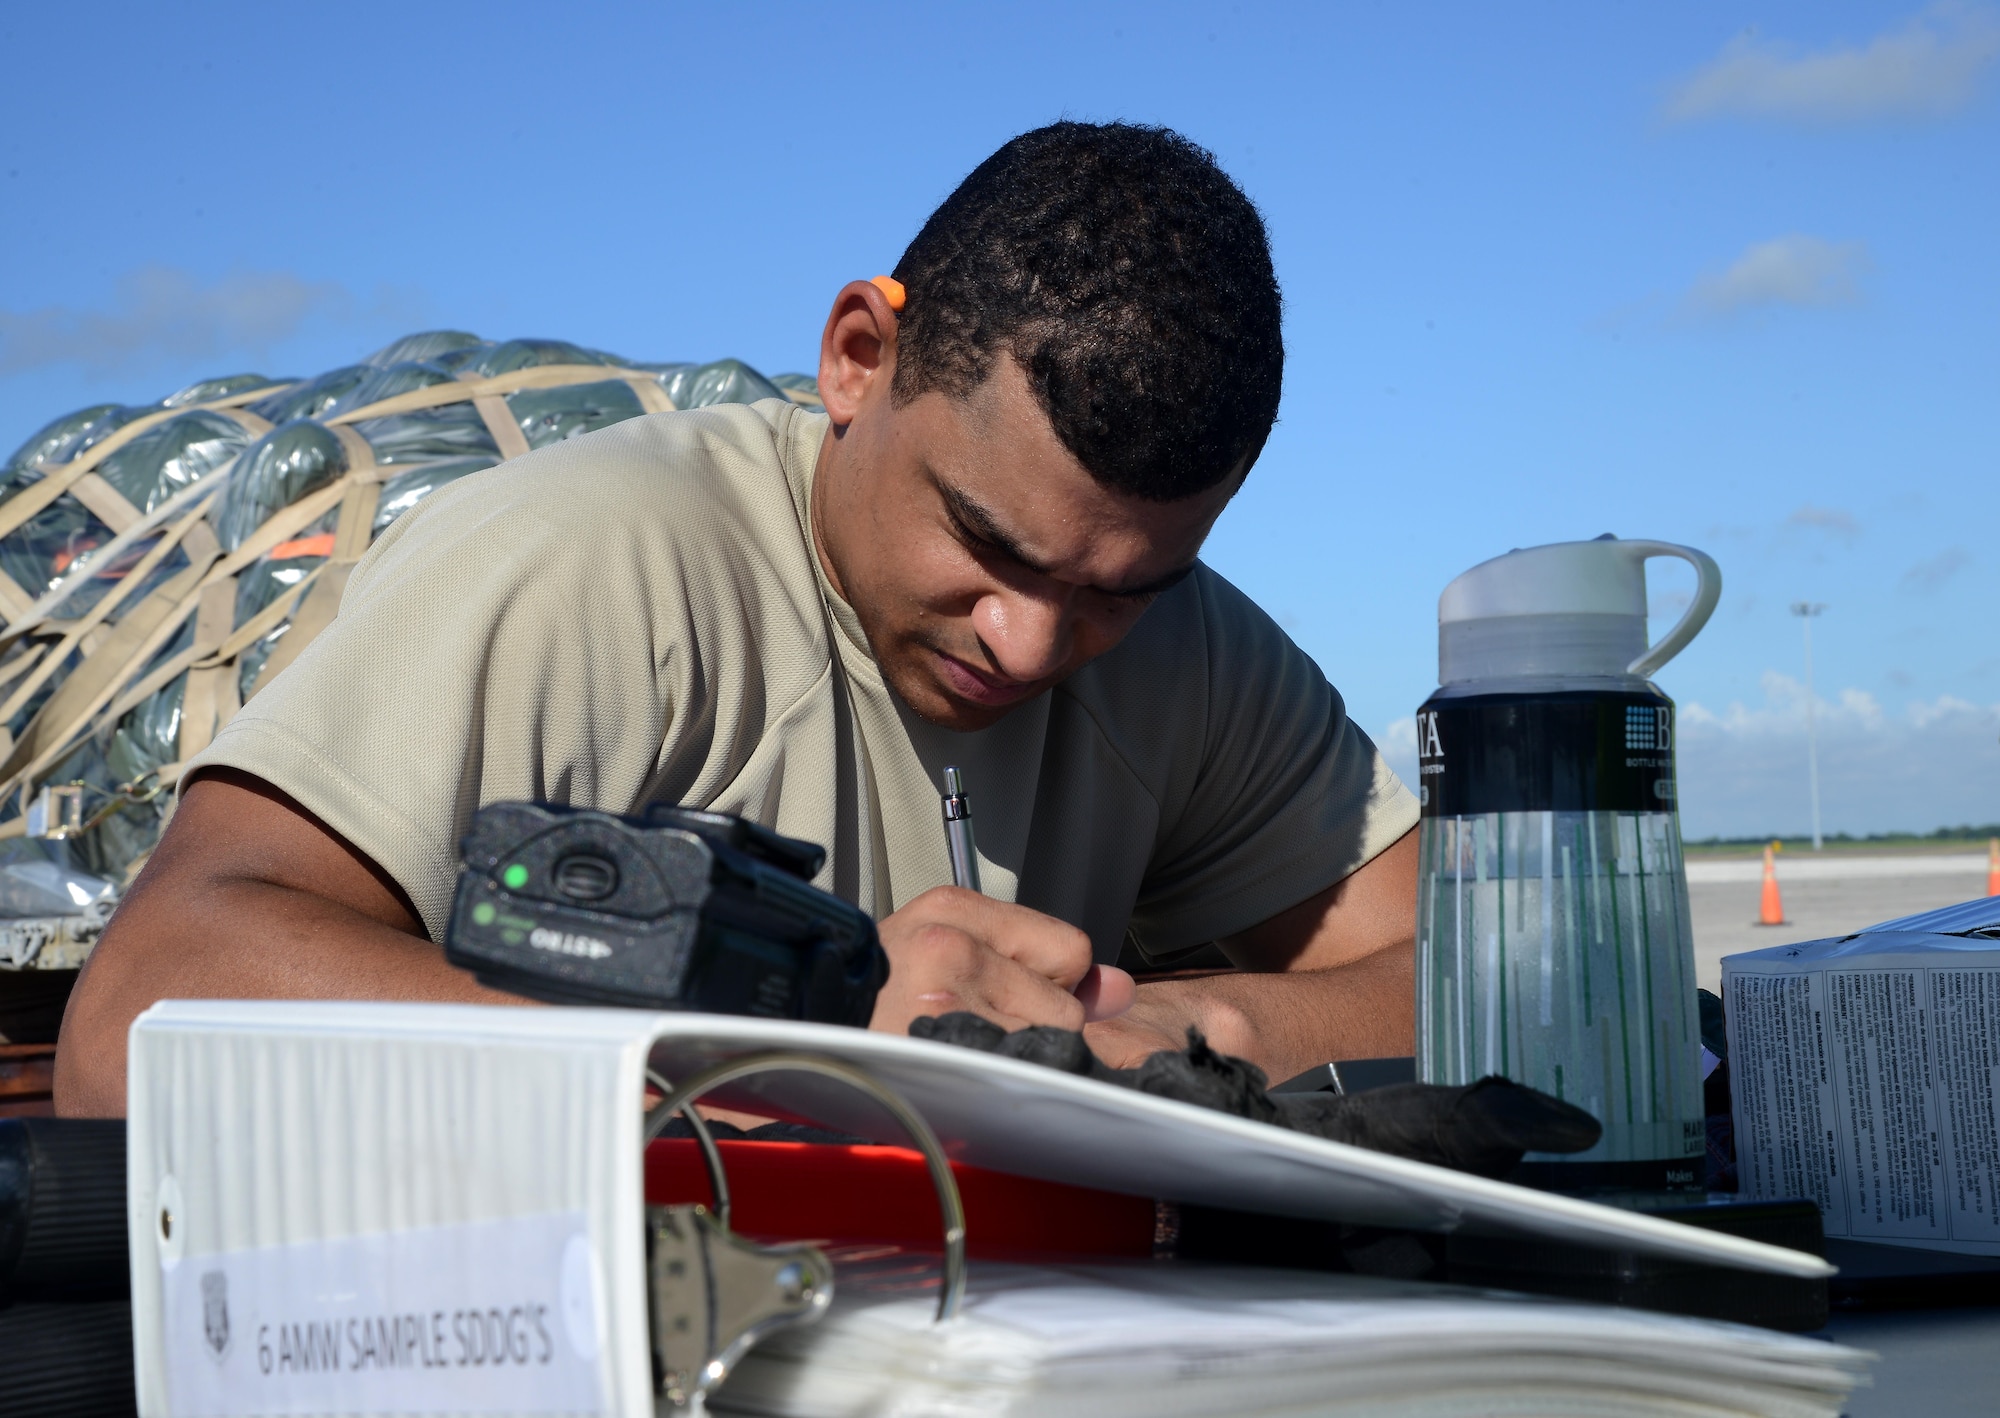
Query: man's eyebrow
[
  {"x": 1158, "y": 584},
  {"x": 974, "y": 519}
]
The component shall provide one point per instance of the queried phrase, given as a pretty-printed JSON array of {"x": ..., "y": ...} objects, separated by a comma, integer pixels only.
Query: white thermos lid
[{"x": 1568, "y": 609}]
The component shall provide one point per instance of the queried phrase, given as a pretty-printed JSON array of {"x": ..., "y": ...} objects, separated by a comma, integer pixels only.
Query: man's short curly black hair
[{"x": 1131, "y": 280}]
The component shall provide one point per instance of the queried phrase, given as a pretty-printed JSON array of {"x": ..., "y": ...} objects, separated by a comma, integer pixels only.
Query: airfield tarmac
[{"x": 1834, "y": 893}]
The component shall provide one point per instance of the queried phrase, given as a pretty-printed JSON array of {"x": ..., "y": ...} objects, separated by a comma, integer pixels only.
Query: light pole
[{"x": 1805, "y": 611}]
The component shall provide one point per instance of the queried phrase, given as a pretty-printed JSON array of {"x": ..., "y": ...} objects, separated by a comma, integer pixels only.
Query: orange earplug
[{"x": 893, "y": 290}]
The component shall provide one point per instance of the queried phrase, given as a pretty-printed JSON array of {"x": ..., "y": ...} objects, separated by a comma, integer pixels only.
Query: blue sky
[{"x": 1713, "y": 273}]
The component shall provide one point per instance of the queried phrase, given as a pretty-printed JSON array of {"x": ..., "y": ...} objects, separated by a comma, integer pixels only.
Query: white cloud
[
  {"x": 1743, "y": 769},
  {"x": 1931, "y": 66},
  {"x": 1398, "y": 743},
  {"x": 1933, "y": 572},
  {"x": 163, "y": 313},
  {"x": 1789, "y": 270},
  {"x": 1831, "y": 520},
  {"x": 1945, "y": 706}
]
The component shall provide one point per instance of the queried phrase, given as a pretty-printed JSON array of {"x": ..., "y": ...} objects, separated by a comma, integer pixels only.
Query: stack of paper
[{"x": 1154, "y": 1341}]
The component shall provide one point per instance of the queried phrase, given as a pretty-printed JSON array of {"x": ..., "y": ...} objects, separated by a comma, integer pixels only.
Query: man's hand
[
  {"x": 1160, "y": 1018},
  {"x": 1331, "y": 978},
  {"x": 248, "y": 896},
  {"x": 953, "y": 949}
]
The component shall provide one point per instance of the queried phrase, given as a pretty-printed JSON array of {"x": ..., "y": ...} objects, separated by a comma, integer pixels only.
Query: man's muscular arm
[
  {"x": 248, "y": 896},
  {"x": 1331, "y": 978}
]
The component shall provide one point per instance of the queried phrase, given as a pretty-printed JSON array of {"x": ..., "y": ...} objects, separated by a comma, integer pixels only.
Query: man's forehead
[
  {"x": 1002, "y": 426},
  {"x": 1002, "y": 469},
  {"x": 1085, "y": 534}
]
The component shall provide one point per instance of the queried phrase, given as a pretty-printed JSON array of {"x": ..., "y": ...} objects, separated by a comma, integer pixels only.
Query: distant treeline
[{"x": 1962, "y": 833}]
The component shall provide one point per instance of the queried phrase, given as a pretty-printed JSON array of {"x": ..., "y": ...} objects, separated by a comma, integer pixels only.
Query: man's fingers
[
  {"x": 1053, "y": 949},
  {"x": 952, "y": 949},
  {"x": 1014, "y": 990},
  {"x": 1105, "y": 992},
  {"x": 1127, "y": 1043},
  {"x": 943, "y": 968}
]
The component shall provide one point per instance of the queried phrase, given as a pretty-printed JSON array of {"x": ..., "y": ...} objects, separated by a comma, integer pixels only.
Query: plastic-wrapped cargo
[
  {"x": 551, "y": 415},
  {"x": 172, "y": 456},
  {"x": 44, "y": 549},
  {"x": 727, "y": 381},
  {"x": 51, "y": 911},
  {"x": 287, "y": 463},
  {"x": 160, "y": 562},
  {"x": 510, "y": 355},
  {"x": 310, "y": 398},
  {"x": 55, "y": 442},
  {"x": 208, "y": 391}
]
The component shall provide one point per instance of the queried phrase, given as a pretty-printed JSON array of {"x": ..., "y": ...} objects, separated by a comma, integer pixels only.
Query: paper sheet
[{"x": 1156, "y": 1341}]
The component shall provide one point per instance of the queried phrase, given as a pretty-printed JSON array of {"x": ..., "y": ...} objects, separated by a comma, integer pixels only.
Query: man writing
[{"x": 984, "y": 553}]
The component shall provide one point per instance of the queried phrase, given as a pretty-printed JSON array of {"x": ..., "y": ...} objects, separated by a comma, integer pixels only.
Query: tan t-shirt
[{"x": 638, "y": 616}]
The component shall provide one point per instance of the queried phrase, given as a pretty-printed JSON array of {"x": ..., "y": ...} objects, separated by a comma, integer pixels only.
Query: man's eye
[{"x": 970, "y": 539}]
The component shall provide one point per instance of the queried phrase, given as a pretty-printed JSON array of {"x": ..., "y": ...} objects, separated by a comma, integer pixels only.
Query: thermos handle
[{"x": 1707, "y": 591}]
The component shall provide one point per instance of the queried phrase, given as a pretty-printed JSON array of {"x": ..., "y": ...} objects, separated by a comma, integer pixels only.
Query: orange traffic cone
[
  {"x": 1772, "y": 913},
  {"x": 1993, "y": 866}
]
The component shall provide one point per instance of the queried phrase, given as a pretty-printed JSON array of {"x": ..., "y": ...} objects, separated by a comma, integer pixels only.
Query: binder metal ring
[{"x": 681, "y": 1099}]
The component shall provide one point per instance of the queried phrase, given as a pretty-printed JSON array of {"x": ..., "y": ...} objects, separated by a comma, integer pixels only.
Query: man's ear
[{"x": 857, "y": 351}]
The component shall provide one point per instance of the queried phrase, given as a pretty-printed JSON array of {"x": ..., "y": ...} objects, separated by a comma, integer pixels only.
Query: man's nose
[{"x": 1029, "y": 636}]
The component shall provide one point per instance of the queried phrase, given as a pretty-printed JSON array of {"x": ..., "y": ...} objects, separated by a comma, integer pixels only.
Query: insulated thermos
[{"x": 1553, "y": 939}]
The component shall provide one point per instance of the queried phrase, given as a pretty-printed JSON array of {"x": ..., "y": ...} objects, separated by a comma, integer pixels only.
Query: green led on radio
[{"x": 515, "y": 877}]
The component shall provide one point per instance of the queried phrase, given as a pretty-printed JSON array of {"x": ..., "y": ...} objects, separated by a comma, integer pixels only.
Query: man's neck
[{"x": 816, "y": 495}]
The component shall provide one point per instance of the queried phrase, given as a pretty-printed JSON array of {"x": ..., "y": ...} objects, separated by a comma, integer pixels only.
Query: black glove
[{"x": 1481, "y": 1127}]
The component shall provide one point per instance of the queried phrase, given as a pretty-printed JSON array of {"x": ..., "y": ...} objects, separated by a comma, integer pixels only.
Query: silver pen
[{"x": 958, "y": 832}]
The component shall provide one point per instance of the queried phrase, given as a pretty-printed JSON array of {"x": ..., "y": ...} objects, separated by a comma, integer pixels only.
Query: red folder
[{"x": 869, "y": 1195}]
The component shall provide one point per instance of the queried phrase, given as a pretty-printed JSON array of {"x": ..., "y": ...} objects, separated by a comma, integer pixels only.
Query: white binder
[{"x": 389, "y": 1208}]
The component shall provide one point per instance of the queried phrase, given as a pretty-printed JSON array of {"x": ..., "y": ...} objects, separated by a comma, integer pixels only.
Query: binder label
[{"x": 483, "y": 1317}]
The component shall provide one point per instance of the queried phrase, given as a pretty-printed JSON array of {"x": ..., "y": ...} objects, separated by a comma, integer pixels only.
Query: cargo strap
[
  {"x": 534, "y": 376},
  {"x": 15, "y": 601},
  {"x": 197, "y": 545},
  {"x": 57, "y": 480},
  {"x": 210, "y": 694},
  {"x": 206, "y": 589},
  {"x": 214, "y": 681},
  {"x": 108, "y": 554},
  {"x": 322, "y": 602},
  {"x": 135, "y": 639},
  {"x": 507, "y": 435},
  {"x": 652, "y": 398}
]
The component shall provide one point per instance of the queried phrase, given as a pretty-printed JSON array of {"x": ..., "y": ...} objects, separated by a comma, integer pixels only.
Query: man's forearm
[
  {"x": 1332, "y": 977},
  {"x": 256, "y": 941},
  {"x": 1283, "y": 1022},
  {"x": 248, "y": 896}
]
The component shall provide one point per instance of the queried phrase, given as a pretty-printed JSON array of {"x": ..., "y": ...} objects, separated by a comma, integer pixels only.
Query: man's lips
[{"x": 990, "y": 690}]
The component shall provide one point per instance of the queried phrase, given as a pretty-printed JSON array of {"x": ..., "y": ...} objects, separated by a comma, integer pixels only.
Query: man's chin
[{"x": 935, "y": 699}]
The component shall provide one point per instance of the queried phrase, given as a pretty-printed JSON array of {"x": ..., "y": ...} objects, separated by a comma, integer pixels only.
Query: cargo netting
[{"x": 161, "y": 562}]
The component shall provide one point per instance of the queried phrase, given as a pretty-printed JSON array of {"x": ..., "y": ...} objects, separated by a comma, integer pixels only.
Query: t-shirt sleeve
[
  {"x": 1287, "y": 797},
  {"x": 472, "y": 645}
]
